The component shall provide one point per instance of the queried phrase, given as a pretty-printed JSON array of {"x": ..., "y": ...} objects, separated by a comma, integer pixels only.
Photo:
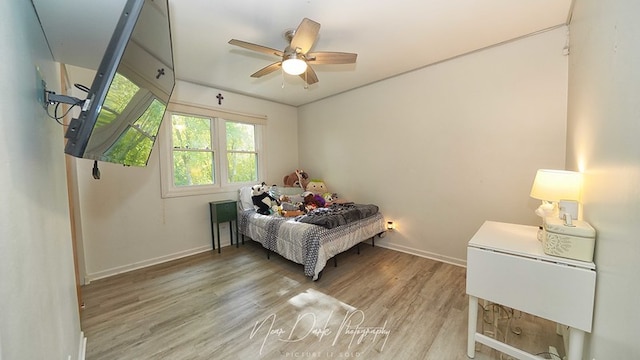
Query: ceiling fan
[{"x": 296, "y": 58}]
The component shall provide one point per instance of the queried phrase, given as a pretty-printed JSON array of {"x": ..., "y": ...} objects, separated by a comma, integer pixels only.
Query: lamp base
[{"x": 547, "y": 208}]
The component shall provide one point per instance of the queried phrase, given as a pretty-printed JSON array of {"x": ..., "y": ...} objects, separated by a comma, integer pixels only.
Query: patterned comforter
[
  {"x": 307, "y": 244},
  {"x": 338, "y": 214}
]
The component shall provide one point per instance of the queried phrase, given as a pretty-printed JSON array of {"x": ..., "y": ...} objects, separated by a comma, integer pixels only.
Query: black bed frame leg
[
  {"x": 335, "y": 261},
  {"x": 268, "y": 253},
  {"x": 373, "y": 241},
  {"x": 358, "y": 248}
]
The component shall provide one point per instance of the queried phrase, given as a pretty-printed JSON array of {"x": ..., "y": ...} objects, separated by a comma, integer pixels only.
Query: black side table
[{"x": 221, "y": 212}]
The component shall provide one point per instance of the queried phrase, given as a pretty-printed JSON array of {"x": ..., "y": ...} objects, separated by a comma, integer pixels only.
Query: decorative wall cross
[
  {"x": 219, "y": 97},
  {"x": 160, "y": 73}
]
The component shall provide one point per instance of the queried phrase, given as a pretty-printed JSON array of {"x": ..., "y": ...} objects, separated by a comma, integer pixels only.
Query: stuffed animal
[
  {"x": 291, "y": 180},
  {"x": 262, "y": 200},
  {"x": 317, "y": 187},
  {"x": 292, "y": 213},
  {"x": 333, "y": 198},
  {"x": 330, "y": 197},
  {"x": 298, "y": 178},
  {"x": 303, "y": 178},
  {"x": 313, "y": 201}
]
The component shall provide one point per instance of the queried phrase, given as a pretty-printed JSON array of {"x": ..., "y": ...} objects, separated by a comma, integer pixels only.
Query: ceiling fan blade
[
  {"x": 258, "y": 48},
  {"x": 305, "y": 35},
  {"x": 267, "y": 70},
  {"x": 331, "y": 58},
  {"x": 309, "y": 76}
]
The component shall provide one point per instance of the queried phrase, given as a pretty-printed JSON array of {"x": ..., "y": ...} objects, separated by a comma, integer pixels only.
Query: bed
[{"x": 305, "y": 242}]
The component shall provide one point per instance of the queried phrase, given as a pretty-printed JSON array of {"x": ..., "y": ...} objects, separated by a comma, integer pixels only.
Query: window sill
[{"x": 201, "y": 190}]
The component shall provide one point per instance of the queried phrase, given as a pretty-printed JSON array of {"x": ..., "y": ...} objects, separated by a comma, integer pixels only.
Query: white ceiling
[{"x": 390, "y": 37}]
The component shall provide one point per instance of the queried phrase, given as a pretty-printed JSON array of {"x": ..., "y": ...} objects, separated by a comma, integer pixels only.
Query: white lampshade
[
  {"x": 556, "y": 185},
  {"x": 293, "y": 65}
]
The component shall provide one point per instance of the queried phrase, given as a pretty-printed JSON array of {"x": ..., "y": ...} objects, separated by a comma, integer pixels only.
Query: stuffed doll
[
  {"x": 261, "y": 199},
  {"x": 317, "y": 187},
  {"x": 313, "y": 201}
]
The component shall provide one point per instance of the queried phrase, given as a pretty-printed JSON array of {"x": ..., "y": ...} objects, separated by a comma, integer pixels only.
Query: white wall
[
  {"x": 604, "y": 142},
  {"x": 444, "y": 148},
  {"x": 38, "y": 305},
  {"x": 125, "y": 222}
]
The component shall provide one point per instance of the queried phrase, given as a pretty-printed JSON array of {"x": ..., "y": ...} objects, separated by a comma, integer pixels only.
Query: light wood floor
[{"x": 239, "y": 305}]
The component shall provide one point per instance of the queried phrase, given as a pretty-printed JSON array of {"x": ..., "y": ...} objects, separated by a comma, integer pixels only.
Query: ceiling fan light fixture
[
  {"x": 296, "y": 59},
  {"x": 292, "y": 65}
]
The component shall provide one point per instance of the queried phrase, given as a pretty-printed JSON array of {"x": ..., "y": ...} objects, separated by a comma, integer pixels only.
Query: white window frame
[{"x": 218, "y": 118}]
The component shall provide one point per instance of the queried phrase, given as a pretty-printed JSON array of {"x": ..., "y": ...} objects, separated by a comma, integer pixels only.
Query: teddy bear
[
  {"x": 291, "y": 180},
  {"x": 262, "y": 200},
  {"x": 298, "y": 178}
]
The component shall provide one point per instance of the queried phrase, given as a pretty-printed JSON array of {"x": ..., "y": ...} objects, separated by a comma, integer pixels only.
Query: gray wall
[{"x": 38, "y": 304}]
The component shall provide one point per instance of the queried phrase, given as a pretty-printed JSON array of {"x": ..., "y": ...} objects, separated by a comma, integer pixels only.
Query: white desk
[{"x": 506, "y": 265}]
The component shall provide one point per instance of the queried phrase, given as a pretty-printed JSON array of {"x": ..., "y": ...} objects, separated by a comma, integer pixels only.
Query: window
[
  {"x": 242, "y": 157},
  {"x": 192, "y": 150},
  {"x": 202, "y": 154}
]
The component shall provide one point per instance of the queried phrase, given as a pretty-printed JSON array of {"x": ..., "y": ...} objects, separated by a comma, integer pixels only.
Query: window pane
[
  {"x": 190, "y": 132},
  {"x": 240, "y": 137},
  {"x": 120, "y": 93},
  {"x": 132, "y": 148},
  {"x": 193, "y": 168},
  {"x": 150, "y": 120},
  {"x": 243, "y": 167}
]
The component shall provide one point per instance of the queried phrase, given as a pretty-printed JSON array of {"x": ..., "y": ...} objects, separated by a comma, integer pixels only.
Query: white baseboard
[
  {"x": 142, "y": 264},
  {"x": 82, "y": 351},
  {"x": 417, "y": 252}
]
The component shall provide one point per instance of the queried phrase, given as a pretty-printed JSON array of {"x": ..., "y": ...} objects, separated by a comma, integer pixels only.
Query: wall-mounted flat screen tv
[{"x": 121, "y": 116}]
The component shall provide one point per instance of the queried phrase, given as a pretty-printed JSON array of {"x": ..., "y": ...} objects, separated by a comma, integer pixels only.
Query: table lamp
[{"x": 553, "y": 186}]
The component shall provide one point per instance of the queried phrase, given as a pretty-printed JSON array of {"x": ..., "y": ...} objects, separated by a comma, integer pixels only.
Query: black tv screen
[{"x": 121, "y": 116}]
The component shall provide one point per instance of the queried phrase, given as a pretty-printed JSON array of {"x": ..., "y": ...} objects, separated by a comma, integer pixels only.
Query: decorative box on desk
[
  {"x": 576, "y": 241},
  {"x": 507, "y": 265},
  {"x": 221, "y": 212}
]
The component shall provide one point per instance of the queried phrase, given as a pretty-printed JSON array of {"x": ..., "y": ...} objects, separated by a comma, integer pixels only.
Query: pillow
[
  {"x": 244, "y": 199},
  {"x": 288, "y": 190}
]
